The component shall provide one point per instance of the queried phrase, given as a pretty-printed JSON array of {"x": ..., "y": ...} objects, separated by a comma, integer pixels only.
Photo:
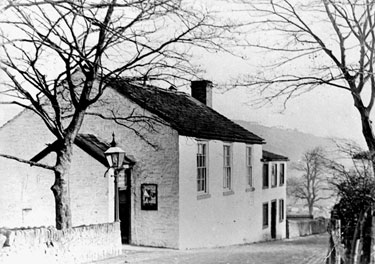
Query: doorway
[
  {"x": 125, "y": 209},
  {"x": 273, "y": 219}
]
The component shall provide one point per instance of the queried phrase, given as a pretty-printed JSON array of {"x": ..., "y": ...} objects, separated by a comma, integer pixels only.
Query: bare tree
[
  {"x": 315, "y": 43},
  {"x": 101, "y": 40},
  {"x": 311, "y": 185},
  {"x": 354, "y": 184}
]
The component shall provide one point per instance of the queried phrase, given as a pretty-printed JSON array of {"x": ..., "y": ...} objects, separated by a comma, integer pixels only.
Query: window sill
[
  {"x": 280, "y": 221},
  {"x": 281, "y": 185},
  {"x": 274, "y": 186},
  {"x": 229, "y": 192},
  {"x": 203, "y": 196},
  {"x": 265, "y": 187},
  {"x": 250, "y": 189},
  {"x": 265, "y": 226}
]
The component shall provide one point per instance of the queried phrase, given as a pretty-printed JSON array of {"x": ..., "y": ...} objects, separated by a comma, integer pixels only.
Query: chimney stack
[{"x": 202, "y": 91}]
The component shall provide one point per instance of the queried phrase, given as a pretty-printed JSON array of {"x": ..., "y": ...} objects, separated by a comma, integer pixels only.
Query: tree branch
[{"x": 32, "y": 163}]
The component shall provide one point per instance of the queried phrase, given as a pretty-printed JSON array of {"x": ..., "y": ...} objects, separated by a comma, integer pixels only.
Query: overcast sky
[{"x": 322, "y": 112}]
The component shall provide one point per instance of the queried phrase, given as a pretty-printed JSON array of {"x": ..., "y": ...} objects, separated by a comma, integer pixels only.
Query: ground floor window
[
  {"x": 265, "y": 215},
  {"x": 281, "y": 210}
]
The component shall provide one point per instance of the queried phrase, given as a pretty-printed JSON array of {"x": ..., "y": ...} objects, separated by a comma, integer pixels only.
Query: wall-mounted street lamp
[{"x": 115, "y": 157}]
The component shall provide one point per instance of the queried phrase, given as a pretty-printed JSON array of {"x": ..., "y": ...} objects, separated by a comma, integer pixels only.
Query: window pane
[
  {"x": 274, "y": 175},
  {"x": 201, "y": 168},
  {"x": 265, "y": 175},
  {"x": 249, "y": 167},
  {"x": 250, "y": 176},
  {"x": 265, "y": 214},
  {"x": 248, "y": 156},
  {"x": 282, "y": 173},
  {"x": 281, "y": 210},
  {"x": 227, "y": 163}
]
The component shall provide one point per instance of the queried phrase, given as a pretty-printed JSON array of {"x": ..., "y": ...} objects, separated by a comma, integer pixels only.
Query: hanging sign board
[{"x": 149, "y": 195}]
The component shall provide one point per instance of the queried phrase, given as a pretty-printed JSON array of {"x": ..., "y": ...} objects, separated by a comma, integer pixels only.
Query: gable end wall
[{"x": 155, "y": 166}]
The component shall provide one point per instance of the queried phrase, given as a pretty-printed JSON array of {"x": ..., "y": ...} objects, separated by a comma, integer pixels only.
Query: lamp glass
[{"x": 115, "y": 157}]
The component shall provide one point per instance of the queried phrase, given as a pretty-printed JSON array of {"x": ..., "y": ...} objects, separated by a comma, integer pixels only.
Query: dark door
[
  {"x": 124, "y": 208},
  {"x": 273, "y": 219}
]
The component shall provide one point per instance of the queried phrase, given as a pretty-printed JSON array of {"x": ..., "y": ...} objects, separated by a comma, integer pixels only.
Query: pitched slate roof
[
  {"x": 184, "y": 113},
  {"x": 89, "y": 143},
  {"x": 269, "y": 156}
]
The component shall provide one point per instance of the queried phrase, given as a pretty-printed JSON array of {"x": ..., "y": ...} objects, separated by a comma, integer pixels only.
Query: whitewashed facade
[{"x": 215, "y": 200}]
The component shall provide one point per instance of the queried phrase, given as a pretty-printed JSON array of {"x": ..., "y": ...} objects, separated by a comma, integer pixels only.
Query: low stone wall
[
  {"x": 297, "y": 228},
  {"x": 48, "y": 245}
]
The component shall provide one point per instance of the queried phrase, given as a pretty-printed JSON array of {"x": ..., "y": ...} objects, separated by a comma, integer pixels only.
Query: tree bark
[
  {"x": 60, "y": 189},
  {"x": 366, "y": 123},
  {"x": 311, "y": 208}
]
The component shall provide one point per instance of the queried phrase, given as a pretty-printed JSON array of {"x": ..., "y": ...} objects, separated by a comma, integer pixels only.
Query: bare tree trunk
[
  {"x": 311, "y": 208},
  {"x": 367, "y": 130},
  {"x": 60, "y": 189}
]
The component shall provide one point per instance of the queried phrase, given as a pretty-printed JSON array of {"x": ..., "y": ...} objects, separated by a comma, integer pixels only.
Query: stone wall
[
  {"x": 48, "y": 245},
  {"x": 297, "y": 228}
]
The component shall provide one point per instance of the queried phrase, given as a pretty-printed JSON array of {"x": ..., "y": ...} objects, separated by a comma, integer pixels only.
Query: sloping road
[{"x": 304, "y": 250}]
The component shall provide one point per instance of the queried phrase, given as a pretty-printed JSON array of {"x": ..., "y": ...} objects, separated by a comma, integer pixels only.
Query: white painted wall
[
  {"x": 275, "y": 193},
  {"x": 25, "y": 195},
  {"x": 182, "y": 220},
  {"x": 219, "y": 220},
  {"x": 153, "y": 165},
  {"x": 23, "y": 187}
]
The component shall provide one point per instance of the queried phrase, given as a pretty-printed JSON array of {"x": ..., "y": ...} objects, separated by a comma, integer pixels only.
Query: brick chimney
[{"x": 202, "y": 91}]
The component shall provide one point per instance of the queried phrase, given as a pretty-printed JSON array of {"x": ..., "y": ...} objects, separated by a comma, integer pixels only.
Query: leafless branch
[{"x": 32, "y": 163}]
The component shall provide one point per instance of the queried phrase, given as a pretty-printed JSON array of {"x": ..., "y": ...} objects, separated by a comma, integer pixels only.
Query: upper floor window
[
  {"x": 227, "y": 162},
  {"x": 274, "y": 175},
  {"x": 202, "y": 167},
  {"x": 265, "y": 176},
  {"x": 249, "y": 167},
  {"x": 282, "y": 174}
]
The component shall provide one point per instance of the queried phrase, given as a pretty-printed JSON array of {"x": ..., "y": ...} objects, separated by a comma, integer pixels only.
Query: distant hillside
[
  {"x": 287, "y": 142},
  {"x": 293, "y": 144}
]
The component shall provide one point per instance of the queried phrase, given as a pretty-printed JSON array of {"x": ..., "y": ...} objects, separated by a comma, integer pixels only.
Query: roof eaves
[
  {"x": 89, "y": 146},
  {"x": 269, "y": 156}
]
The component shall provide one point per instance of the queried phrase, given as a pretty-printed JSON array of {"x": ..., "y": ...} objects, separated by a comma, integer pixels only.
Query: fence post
[
  {"x": 372, "y": 251},
  {"x": 337, "y": 233}
]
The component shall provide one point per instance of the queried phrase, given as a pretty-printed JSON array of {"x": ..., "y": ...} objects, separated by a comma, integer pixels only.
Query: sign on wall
[{"x": 149, "y": 196}]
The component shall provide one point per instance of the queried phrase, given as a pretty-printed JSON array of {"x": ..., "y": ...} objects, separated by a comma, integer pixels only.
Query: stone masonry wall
[{"x": 48, "y": 245}]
